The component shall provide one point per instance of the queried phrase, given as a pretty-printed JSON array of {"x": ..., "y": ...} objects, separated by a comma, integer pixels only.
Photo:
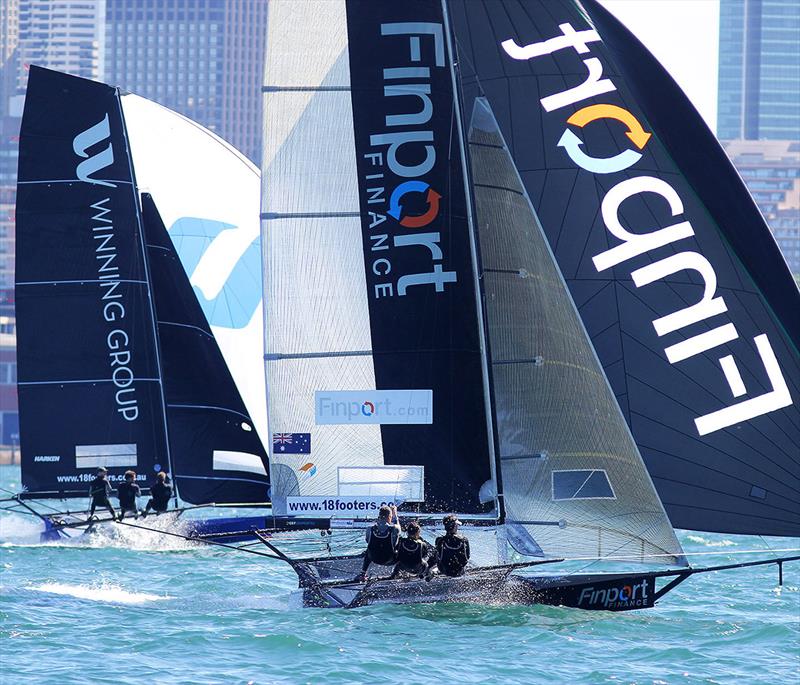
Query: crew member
[
  {"x": 99, "y": 490},
  {"x": 414, "y": 555},
  {"x": 127, "y": 492},
  {"x": 452, "y": 549},
  {"x": 382, "y": 539},
  {"x": 160, "y": 493}
]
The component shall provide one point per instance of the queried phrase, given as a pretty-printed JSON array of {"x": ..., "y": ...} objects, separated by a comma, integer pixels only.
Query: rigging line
[
  {"x": 686, "y": 554},
  {"x": 82, "y": 281},
  {"x": 194, "y": 539},
  {"x": 70, "y": 180},
  {"x": 761, "y": 537}
]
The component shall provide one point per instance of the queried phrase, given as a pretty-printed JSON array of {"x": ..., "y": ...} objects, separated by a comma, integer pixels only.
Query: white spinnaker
[
  {"x": 317, "y": 331},
  {"x": 200, "y": 181}
]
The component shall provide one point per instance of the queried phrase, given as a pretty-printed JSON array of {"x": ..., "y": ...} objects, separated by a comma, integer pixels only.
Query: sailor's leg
[{"x": 364, "y": 566}]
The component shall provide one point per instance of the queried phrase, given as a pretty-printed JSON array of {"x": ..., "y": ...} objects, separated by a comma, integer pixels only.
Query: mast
[
  {"x": 494, "y": 450},
  {"x": 148, "y": 279}
]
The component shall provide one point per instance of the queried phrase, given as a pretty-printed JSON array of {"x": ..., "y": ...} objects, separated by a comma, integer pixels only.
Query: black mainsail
[
  {"x": 89, "y": 379},
  {"x": 118, "y": 366},
  {"x": 688, "y": 302}
]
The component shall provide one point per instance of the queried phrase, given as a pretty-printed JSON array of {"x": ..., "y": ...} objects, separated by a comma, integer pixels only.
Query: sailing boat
[
  {"x": 419, "y": 331},
  {"x": 118, "y": 365}
]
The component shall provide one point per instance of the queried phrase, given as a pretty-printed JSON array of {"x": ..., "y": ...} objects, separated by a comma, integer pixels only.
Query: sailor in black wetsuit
[
  {"x": 452, "y": 549},
  {"x": 382, "y": 540},
  {"x": 127, "y": 492},
  {"x": 414, "y": 555},
  {"x": 160, "y": 493},
  {"x": 99, "y": 490}
]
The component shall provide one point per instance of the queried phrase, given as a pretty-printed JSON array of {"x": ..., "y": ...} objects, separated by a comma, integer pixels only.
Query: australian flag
[{"x": 291, "y": 443}]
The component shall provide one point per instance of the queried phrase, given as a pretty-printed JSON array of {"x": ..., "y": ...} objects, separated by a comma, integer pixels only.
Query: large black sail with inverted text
[
  {"x": 88, "y": 374},
  {"x": 216, "y": 453},
  {"x": 688, "y": 302}
]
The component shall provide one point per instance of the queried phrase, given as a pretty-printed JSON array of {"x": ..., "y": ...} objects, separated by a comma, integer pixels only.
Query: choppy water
[{"x": 142, "y": 609}]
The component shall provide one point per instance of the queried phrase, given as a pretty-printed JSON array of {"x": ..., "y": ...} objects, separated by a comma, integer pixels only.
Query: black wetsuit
[
  {"x": 99, "y": 490},
  {"x": 413, "y": 556},
  {"x": 452, "y": 554},
  {"x": 160, "y": 494},
  {"x": 127, "y": 494},
  {"x": 381, "y": 544}
]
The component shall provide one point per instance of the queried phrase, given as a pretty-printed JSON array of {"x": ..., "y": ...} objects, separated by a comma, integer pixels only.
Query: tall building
[
  {"x": 67, "y": 35},
  {"x": 759, "y": 70},
  {"x": 202, "y": 58},
  {"x": 9, "y": 38},
  {"x": 771, "y": 170}
]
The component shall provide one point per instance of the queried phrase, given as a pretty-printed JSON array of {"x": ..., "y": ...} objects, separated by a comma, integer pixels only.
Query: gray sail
[
  {"x": 573, "y": 479},
  {"x": 316, "y": 317}
]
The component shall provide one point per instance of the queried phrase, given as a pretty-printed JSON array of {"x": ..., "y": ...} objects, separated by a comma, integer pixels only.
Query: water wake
[{"x": 104, "y": 592}]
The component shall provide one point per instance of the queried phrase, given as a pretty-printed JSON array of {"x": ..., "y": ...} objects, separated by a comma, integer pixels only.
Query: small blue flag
[{"x": 291, "y": 443}]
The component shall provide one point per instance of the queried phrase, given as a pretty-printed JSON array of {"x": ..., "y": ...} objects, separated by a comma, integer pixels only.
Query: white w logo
[{"x": 83, "y": 141}]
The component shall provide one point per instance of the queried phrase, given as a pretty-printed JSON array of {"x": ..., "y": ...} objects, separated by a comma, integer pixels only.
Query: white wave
[
  {"x": 148, "y": 535},
  {"x": 142, "y": 535},
  {"x": 105, "y": 592},
  {"x": 19, "y": 529},
  {"x": 711, "y": 543}
]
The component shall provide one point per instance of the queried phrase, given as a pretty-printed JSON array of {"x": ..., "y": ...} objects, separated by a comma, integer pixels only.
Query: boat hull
[{"x": 498, "y": 585}]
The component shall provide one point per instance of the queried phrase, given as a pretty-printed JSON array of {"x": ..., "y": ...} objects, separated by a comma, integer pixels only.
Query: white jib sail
[{"x": 317, "y": 332}]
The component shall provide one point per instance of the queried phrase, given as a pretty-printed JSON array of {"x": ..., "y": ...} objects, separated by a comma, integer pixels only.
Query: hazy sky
[{"x": 684, "y": 37}]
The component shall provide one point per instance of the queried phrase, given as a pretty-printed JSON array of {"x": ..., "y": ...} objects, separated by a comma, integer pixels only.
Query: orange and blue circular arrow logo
[{"x": 418, "y": 220}]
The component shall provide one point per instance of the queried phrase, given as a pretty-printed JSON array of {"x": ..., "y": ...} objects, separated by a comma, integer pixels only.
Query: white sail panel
[
  {"x": 208, "y": 196},
  {"x": 317, "y": 332},
  {"x": 572, "y": 474}
]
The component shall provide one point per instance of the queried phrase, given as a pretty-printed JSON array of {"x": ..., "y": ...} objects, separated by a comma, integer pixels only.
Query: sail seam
[
  {"x": 489, "y": 186},
  {"x": 533, "y": 360},
  {"x": 225, "y": 478},
  {"x": 72, "y": 180},
  {"x": 185, "y": 325},
  {"x": 81, "y": 282},
  {"x": 269, "y": 216},
  {"x": 276, "y": 356},
  {"x": 305, "y": 89},
  {"x": 204, "y": 406},
  {"x": 85, "y": 380},
  {"x": 157, "y": 247}
]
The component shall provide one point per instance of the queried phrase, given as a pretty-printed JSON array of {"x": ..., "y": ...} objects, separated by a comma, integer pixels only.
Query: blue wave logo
[{"x": 237, "y": 301}]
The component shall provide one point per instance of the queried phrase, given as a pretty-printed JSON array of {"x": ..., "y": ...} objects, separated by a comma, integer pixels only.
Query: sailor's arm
[{"x": 466, "y": 547}]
